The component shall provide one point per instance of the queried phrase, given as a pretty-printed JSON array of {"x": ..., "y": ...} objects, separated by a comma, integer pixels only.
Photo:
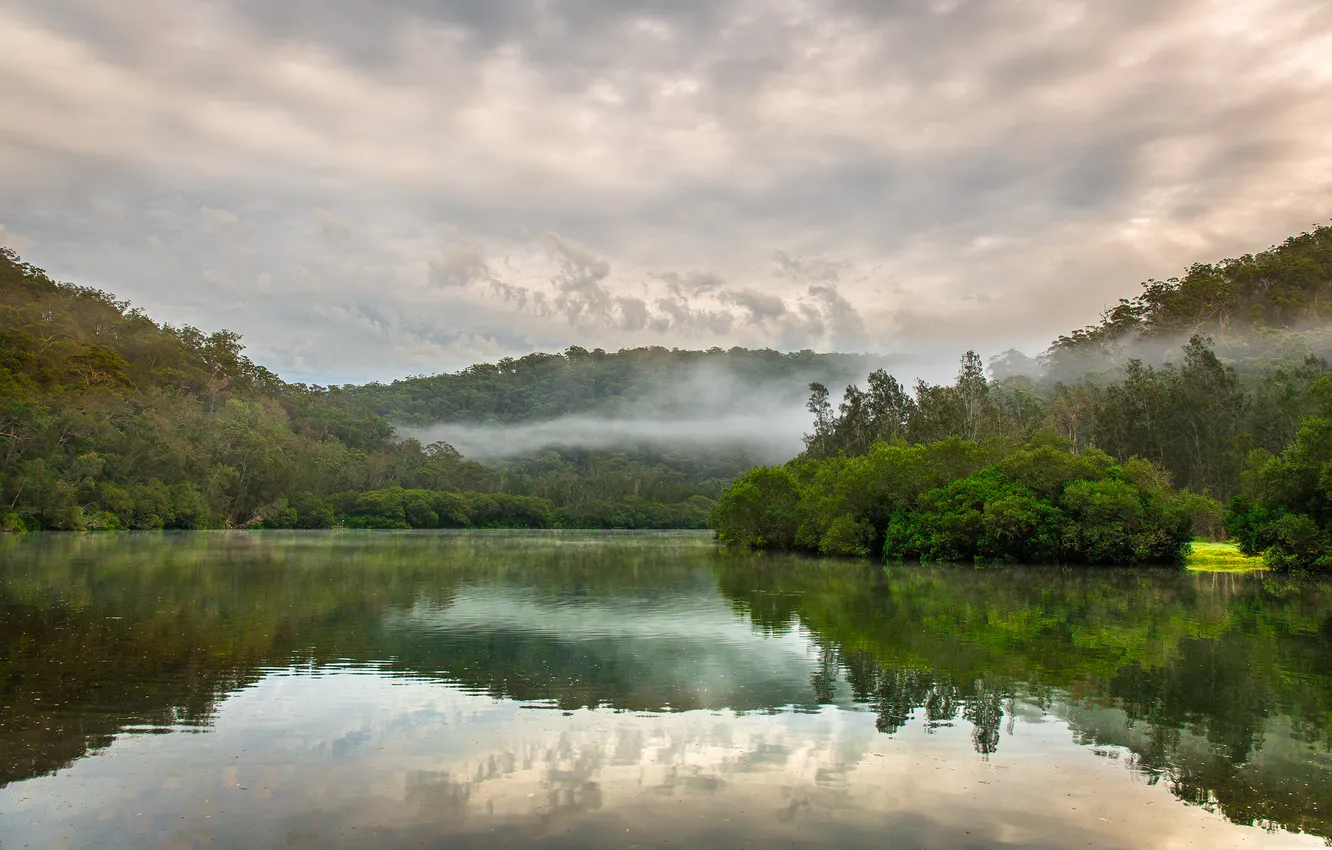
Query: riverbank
[{"x": 1222, "y": 558}]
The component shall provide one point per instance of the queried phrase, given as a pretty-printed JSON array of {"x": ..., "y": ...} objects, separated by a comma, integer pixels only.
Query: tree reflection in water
[{"x": 1218, "y": 687}]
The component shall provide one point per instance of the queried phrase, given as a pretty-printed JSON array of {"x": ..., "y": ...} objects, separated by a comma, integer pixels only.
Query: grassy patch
[{"x": 1221, "y": 558}]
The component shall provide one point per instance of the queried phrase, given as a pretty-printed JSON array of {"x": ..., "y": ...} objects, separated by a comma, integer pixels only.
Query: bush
[
  {"x": 758, "y": 510},
  {"x": 1207, "y": 516},
  {"x": 11, "y": 522},
  {"x": 375, "y": 509},
  {"x": 188, "y": 508},
  {"x": 951, "y": 501},
  {"x": 281, "y": 518},
  {"x": 501, "y": 510},
  {"x": 312, "y": 512},
  {"x": 1284, "y": 509},
  {"x": 846, "y": 536}
]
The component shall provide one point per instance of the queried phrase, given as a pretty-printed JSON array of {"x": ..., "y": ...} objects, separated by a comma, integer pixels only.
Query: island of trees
[{"x": 1203, "y": 406}]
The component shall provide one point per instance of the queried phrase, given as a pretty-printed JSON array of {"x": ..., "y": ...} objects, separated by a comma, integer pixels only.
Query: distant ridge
[{"x": 665, "y": 381}]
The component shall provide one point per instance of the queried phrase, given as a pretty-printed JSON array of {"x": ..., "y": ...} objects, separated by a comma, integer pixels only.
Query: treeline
[
  {"x": 1284, "y": 288},
  {"x": 1197, "y": 417},
  {"x": 1258, "y": 439},
  {"x": 1248, "y": 429},
  {"x": 546, "y": 386},
  {"x": 930, "y": 474},
  {"x": 987, "y": 501},
  {"x": 396, "y": 507},
  {"x": 111, "y": 420}
]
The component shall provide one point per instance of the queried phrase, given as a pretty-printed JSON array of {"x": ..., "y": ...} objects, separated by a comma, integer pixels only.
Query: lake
[{"x": 623, "y": 690}]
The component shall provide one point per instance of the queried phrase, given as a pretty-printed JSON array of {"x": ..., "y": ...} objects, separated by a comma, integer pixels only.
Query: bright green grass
[{"x": 1221, "y": 558}]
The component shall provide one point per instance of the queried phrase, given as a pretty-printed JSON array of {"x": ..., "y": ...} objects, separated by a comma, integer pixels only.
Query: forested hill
[
  {"x": 1217, "y": 383},
  {"x": 1286, "y": 286},
  {"x": 1243, "y": 300},
  {"x": 1248, "y": 305},
  {"x": 111, "y": 420},
  {"x": 651, "y": 380}
]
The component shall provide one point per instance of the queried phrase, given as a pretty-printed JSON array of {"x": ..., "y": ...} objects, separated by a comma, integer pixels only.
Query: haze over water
[{"x": 644, "y": 689}]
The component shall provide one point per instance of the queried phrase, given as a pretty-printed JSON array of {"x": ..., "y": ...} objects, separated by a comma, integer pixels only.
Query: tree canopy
[{"x": 110, "y": 420}]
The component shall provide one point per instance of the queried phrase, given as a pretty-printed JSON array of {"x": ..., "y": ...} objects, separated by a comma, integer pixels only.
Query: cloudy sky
[{"x": 372, "y": 189}]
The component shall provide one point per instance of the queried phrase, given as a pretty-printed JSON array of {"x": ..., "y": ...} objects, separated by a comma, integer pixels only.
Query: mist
[
  {"x": 705, "y": 408},
  {"x": 714, "y": 409},
  {"x": 1112, "y": 356},
  {"x": 769, "y": 436}
]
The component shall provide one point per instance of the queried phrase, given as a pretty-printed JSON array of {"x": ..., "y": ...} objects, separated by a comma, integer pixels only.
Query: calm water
[{"x": 644, "y": 690}]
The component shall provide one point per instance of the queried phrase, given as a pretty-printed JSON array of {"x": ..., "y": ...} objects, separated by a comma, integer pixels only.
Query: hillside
[
  {"x": 638, "y": 381},
  {"x": 1253, "y": 306},
  {"x": 1075, "y": 455},
  {"x": 111, "y": 420}
]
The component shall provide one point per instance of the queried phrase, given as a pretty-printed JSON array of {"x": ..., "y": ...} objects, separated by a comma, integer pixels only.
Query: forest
[
  {"x": 957, "y": 500},
  {"x": 547, "y": 386},
  {"x": 109, "y": 420},
  {"x": 1200, "y": 407}
]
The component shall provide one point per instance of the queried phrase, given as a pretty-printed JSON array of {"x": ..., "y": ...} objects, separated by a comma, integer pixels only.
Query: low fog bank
[
  {"x": 1245, "y": 350},
  {"x": 715, "y": 410},
  {"x": 705, "y": 408},
  {"x": 770, "y": 435}
]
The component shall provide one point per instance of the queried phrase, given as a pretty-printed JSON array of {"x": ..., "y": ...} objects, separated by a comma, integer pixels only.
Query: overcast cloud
[{"x": 374, "y": 189}]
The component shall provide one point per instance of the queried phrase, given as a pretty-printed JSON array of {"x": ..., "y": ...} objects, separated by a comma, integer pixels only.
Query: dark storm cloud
[{"x": 370, "y": 188}]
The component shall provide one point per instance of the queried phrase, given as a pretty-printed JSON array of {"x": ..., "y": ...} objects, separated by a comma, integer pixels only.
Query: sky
[{"x": 368, "y": 190}]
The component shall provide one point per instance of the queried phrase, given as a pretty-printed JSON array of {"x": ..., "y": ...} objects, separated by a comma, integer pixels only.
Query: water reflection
[
  {"x": 1217, "y": 686},
  {"x": 561, "y": 689}
]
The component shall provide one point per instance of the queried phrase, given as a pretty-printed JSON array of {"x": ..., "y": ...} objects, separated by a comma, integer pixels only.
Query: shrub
[{"x": 977, "y": 502}]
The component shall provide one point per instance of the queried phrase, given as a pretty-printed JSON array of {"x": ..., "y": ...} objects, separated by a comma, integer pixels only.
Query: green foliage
[
  {"x": 1196, "y": 420},
  {"x": 546, "y": 386},
  {"x": 1245, "y": 431},
  {"x": 1206, "y": 515},
  {"x": 1279, "y": 288},
  {"x": 1192, "y": 374},
  {"x": 758, "y": 509},
  {"x": 502, "y": 510},
  {"x": 391, "y": 508},
  {"x": 972, "y": 408},
  {"x": 955, "y": 500},
  {"x": 110, "y": 421},
  {"x": 1284, "y": 509},
  {"x": 1188, "y": 419},
  {"x": 842, "y": 504}
]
